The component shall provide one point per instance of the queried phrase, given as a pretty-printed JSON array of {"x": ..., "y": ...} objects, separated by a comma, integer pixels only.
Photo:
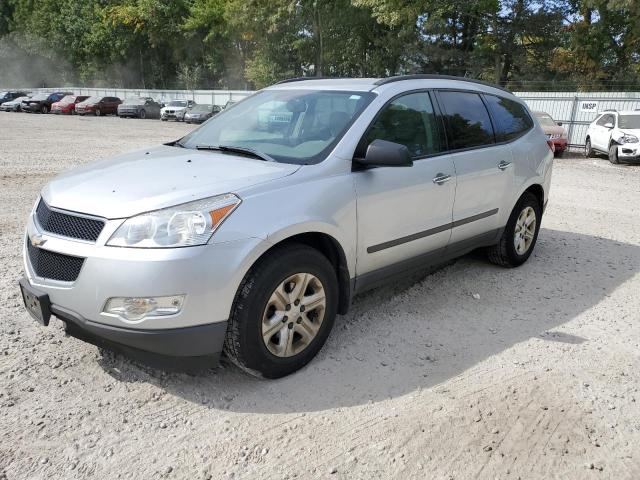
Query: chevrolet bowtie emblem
[{"x": 37, "y": 240}]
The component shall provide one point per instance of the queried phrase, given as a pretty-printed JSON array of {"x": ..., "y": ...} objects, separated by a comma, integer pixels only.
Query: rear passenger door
[
  {"x": 404, "y": 212},
  {"x": 483, "y": 168}
]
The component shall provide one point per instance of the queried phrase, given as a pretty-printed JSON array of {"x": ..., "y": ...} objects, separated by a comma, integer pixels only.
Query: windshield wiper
[{"x": 234, "y": 149}]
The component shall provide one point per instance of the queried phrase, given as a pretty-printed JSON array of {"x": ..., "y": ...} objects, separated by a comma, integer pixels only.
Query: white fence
[
  {"x": 575, "y": 110},
  {"x": 214, "y": 97}
]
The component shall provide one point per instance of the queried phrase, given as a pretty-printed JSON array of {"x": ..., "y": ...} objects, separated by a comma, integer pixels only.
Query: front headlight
[
  {"x": 629, "y": 138},
  {"x": 184, "y": 225}
]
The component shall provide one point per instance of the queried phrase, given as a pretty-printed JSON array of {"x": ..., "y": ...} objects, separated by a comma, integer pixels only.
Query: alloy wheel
[
  {"x": 293, "y": 315},
  {"x": 525, "y": 230}
]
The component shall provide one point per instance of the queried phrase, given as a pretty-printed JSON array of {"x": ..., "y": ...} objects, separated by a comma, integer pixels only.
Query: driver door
[{"x": 404, "y": 212}]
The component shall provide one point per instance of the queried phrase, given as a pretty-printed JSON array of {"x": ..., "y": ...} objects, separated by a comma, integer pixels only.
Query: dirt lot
[{"x": 472, "y": 372}]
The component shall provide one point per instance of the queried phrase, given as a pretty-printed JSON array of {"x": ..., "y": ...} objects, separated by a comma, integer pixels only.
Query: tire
[
  {"x": 588, "y": 150},
  {"x": 163, "y": 119},
  {"x": 505, "y": 253},
  {"x": 142, "y": 114},
  {"x": 44, "y": 109},
  {"x": 613, "y": 154},
  {"x": 97, "y": 112},
  {"x": 559, "y": 153},
  {"x": 280, "y": 269}
]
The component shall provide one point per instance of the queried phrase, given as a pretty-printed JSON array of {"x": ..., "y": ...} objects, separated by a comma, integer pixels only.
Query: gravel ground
[{"x": 473, "y": 371}]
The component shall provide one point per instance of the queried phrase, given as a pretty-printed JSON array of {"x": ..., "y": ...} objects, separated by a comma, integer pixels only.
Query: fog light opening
[{"x": 138, "y": 308}]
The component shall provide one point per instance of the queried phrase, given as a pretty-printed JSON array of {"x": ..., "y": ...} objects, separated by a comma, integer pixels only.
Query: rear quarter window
[{"x": 510, "y": 117}]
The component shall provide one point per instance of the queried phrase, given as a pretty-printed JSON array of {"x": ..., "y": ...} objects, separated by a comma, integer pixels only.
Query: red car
[
  {"x": 556, "y": 134},
  {"x": 67, "y": 105},
  {"x": 98, "y": 105}
]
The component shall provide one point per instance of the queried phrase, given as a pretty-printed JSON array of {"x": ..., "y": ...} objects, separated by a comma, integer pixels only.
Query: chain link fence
[{"x": 576, "y": 110}]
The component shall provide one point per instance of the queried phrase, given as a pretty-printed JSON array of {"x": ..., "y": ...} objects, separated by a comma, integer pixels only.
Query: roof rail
[
  {"x": 422, "y": 76},
  {"x": 302, "y": 79}
]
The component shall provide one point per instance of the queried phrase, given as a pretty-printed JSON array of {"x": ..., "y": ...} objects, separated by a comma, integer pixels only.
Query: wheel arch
[
  {"x": 331, "y": 248},
  {"x": 537, "y": 190}
]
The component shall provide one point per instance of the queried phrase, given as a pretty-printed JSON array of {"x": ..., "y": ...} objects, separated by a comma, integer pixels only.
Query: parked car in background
[
  {"x": 170, "y": 111},
  {"x": 11, "y": 95},
  {"x": 41, "y": 102},
  {"x": 67, "y": 105},
  {"x": 229, "y": 103},
  {"x": 98, "y": 105},
  {"x": 616, "y": 134},
  {"x": 13, "y": 105},
  {"x": 201, "y": 112},
  {"x": 554, "y": 131},
  {"x": 139, "y": 107},
  {"x": 252, "y": 243}
]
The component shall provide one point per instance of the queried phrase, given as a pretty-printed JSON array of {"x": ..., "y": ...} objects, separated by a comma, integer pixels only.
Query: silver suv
[{"x": 251, "y": 233}]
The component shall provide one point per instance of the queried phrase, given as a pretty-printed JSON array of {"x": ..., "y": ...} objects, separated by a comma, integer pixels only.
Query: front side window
[
  {"x": 606, "y": 119},
  {"x": 410, "y": 121},
  {"x": 467, "y": 120},
  {"x": 511, "y": 118},
  {"x": 291, "y": 126}
]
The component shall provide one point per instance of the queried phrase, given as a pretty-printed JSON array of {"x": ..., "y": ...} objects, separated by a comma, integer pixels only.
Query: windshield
[
  {"x": 202, "y": 108},
  {"x": 178, "y": 103},
  {"x": 40, "y": 96},
  {"x": 92, "y": 100},
  {"x": 629, "y": 121},
  {"x": 291, "y": 126},
  {"x": 135, "y": 101},
  {"x": 68, "y": 99},
  {"x": 546, "y": 121}
]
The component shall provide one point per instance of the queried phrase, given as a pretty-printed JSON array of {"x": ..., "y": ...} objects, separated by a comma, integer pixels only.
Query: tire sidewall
[
  {"x": 257, "y": 292},
  {"x": 588, "y": 152},
  {"x": 527, "y": 200},
  {"x": 613, "y": 154}
]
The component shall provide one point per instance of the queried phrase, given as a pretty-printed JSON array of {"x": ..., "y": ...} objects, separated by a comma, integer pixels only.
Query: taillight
[{"x": 552, "y": 145}]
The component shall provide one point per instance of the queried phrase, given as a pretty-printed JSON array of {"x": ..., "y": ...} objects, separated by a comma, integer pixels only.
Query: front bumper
[
  {"x": 207, "y": 275},
  {"x": 35, "y": 107},
  {"x": 560, "y": 144},
  {"x": 629, "y": 153}
]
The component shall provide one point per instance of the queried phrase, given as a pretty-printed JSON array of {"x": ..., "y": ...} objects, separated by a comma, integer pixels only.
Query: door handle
[
  {"x": 504, "y": 165},
  {"x": 441, "y": 178}
]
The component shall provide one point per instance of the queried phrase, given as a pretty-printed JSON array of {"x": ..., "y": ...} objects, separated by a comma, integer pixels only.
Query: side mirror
[
  {"x": 608, "y": 125},
  {"x": 381, "y": 153},
  {"x": 559, "y": 124}
]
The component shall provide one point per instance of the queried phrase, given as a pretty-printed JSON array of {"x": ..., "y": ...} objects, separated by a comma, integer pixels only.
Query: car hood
[
  {"x": 160, "y": 177},
  {"x": 553, "y": 130}
]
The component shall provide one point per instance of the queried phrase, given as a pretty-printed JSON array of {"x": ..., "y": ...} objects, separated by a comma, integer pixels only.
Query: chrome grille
[
  {"x": 55, "y": 266},
  {"x": 68, "y": 225}
]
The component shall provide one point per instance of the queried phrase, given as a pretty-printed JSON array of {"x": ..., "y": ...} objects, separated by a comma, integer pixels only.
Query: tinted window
[
  {"x": 511, "y": 118},
  {"x": 467, "y": 120},
  {"x": 410, "y": 121}
]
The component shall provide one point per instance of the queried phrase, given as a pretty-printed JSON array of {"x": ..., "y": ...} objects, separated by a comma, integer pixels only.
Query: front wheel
[
  {"x": 142, "y": 114},
  {"x": 97, "y": 112},
  {"x": 613, "y": 154},
  {"x": 283, "y": 312},
  {"x": 520, "y": 234},
  {"x": 44, "y": 109}
]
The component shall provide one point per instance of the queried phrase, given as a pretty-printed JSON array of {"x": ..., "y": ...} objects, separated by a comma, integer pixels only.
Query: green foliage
[{"x": 524, "y": 44}]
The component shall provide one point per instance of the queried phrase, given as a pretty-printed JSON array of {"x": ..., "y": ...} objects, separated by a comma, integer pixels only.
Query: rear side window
[
  {"x": 511, "y": 118},
  {"x": 410, "y": 121},
  {"x": 467, "y": 120}
]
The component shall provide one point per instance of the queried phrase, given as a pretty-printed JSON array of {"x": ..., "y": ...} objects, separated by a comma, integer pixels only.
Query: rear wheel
[
  {"x": 44, "y": 109},
  {"x": 520, "y": 235},
  {"x": 97, "y": 112},
  {"x": 283, "y": 312},
  {"x": 588, "y": 150},
  {"x": 613, "y": 154}
]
